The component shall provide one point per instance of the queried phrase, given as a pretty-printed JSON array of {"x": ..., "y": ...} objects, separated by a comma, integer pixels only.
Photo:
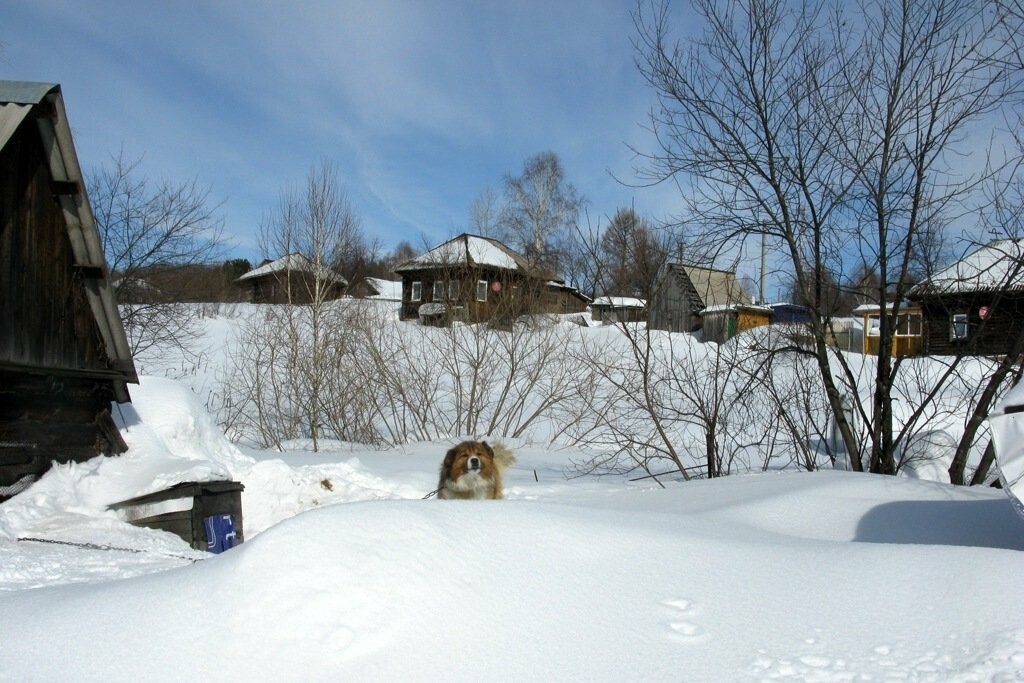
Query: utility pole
[{"x": 764, "y": 260}]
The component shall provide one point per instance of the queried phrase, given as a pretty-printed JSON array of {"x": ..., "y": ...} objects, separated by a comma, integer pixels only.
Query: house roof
[
  {"x": 560, "y": 286},
  {"x": 706, "y": 286},
  {"x": 17, "y": 99},
  {"x": 890, "y": 305},
  {"x": 293, "y": 262},
  {"x": 387, "y": 290},
  {"x": 474, "y": 251},
  {"x": 998, "y": 265}
]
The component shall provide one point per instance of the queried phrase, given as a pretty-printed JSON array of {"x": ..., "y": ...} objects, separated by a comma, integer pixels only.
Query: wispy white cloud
[{"x": 418, "y": 104}]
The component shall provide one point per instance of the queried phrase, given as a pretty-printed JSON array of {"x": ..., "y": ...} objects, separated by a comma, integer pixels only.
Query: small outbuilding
[
  {"x": 785, "y": 313},
  {"x": 292, "y": 279},
  {"x": 906, "y": 335},
  {"x": 64, "y": 355},
  {"x": 722, "y": 323},
  {"x": 618, "y": 309},
  {"x": 682, "y": 292},
  {"x": 378, "y": 289},
  {"x": 906, "y": 319}
]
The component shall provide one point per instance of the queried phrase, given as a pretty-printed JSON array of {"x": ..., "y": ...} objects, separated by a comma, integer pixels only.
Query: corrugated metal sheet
[
  {"x": 714, "y": 287},
  {"x": 25, "y": 92}
]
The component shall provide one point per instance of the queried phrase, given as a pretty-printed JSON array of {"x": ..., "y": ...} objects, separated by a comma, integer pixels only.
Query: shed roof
[
  {"x": 998, "y": 265},
  {"x": 17, "y": 99},
  {"x": 620, "y": 302},
  {"x": 386, "y": 290},
  {"x": 706, "y": 286},
  {"x": 731, "y": 308},
  {"x": 293, "y": 262},
  {"x": 474, "y": 251},
  {"x": 889, "y": 306}
]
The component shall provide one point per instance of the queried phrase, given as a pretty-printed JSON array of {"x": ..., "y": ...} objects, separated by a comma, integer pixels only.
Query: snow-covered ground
[{"x": 348, "y": 574}]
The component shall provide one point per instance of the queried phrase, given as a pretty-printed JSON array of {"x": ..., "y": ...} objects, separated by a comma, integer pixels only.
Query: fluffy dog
[{"x": 472, "y": 470}]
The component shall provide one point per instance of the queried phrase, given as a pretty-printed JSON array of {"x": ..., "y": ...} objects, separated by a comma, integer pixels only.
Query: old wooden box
[{"x": 182, "y": 509}]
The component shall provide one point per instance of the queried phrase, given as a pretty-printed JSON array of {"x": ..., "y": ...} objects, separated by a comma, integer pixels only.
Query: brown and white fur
[{"x": 472, "y": 470}]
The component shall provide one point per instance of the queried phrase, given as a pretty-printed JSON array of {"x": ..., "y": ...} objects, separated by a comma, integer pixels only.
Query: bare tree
[
  {"x": 632, "y": 254},
  {"x": 150, "y": 230},
  {"x": 316, "y": 223},
  {"x": 540, "y": 210},
  {"x": 485, "y": 212},
  {"x": 834, "y": 137}
]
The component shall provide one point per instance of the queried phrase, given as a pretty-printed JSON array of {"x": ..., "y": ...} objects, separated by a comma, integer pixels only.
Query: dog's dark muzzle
[{"x": 474, "y": 465}]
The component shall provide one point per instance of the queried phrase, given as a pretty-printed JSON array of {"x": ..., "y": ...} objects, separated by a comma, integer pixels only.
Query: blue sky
[{"x": 418, "y": 105}]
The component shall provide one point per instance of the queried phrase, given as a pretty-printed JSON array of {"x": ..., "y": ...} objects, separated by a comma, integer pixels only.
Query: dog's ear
[
  {"x": 446, "y": 466},
  {"x": 487, "y": 447},
  {"x": 449, "y": 457}
]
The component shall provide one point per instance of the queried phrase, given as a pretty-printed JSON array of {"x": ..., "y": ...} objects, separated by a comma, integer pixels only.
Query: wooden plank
[{"x": 63, "y": 188}]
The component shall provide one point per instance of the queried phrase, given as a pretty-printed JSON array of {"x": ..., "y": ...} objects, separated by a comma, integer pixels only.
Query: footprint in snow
[{"x": 680, "y": 612}]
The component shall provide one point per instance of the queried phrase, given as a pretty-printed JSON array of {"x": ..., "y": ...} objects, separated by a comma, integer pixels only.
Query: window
[
  {"x": 959, "y": 328},
  {"x": 417, "y": 292},
  {"x": 908, "y": 325},
  {"x": 481, "y": 290},
  {"x": 438, "y": 294},
  {"x": 874, "y": 323},
  {"x": 453, "y": 290}
]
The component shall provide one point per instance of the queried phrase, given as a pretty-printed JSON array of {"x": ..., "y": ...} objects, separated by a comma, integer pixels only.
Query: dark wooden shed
[
  {"x": 682, "y": 292},
  {"x": 292, "y": 279},
  {"x": 64, "y": 356}
]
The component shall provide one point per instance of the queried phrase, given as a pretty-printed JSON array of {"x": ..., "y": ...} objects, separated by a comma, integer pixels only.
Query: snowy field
[{"x": 348, "y": 574}]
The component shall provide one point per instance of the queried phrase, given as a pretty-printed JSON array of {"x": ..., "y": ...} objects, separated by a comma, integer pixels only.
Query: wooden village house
[
  {"x": 64, "y": 355},
  {"x": 682, "y": 293},
  {"x": 975, "y": 306},
  {"x": 478, "y": 279},
  {"x": 291, "y": 279}
]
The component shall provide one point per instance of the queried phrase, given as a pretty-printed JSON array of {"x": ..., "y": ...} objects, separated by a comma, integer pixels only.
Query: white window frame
[
  {"x": 453, "y": 290},
  {"x": 908, "y": 324},
  {"x": 959, "y": 319},
  {"x": 416, "y": 293},
  {"x": 481, "y": 290},
  {"x": 438, "y": 291}
]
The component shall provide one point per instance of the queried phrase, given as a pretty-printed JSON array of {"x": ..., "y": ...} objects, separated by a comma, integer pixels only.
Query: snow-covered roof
[
  {"x": 999, "y": 265},
  {"x": 875, "y": 308},
  {"x": 472, "y": 251},
  {"x": 725, "y": 308},
  {"x": 387, "y": 290},
  {"x": 293, "y": 262},
  {"x": 620, "y": 302}
]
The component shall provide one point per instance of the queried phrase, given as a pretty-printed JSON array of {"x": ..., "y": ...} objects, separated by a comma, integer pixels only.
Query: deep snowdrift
[
  {"x": 347, "y": 574},
  {"x": 812, "y": 576}
]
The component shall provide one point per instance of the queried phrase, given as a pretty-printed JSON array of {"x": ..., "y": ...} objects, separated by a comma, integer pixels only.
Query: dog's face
[
  {"x": 469, "y": 470},
  {"x": 470, "y": 458}
]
